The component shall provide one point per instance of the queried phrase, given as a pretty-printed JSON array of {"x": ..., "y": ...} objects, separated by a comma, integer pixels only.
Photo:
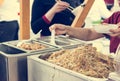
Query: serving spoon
[{"x": 52, "y": 40}]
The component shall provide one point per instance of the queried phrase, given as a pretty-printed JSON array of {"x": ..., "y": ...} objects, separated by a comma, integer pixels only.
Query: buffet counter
[{"x": 22, "y": 60}]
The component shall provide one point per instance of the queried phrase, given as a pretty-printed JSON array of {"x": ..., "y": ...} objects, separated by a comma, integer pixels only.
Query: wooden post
[
  {"x": 24, "y": 19},
  {"x": 80, "y": 17}
]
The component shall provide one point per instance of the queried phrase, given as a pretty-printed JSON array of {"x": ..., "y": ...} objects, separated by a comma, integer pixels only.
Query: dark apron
[{"x": 8, "y": 30}]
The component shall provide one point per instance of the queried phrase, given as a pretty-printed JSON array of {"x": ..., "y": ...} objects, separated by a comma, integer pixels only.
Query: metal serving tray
[
  {"x": 13, "y": 62},
  {"x": 48, "y": 47},
  {"x": 61, "y": 41},
  {"x": 45, "y": 71},
  {"x": 71, "y": 39},
  {"x": 9, "y": 66}
]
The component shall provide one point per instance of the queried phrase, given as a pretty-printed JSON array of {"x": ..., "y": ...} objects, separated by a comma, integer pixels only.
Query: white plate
[{"x": 104, "y": 28}]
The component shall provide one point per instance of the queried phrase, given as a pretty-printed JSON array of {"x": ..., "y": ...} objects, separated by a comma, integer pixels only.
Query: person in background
[
  {"x": 90, "y": 34},
  {"x": 109, "y": 4},
  {"x": 9, "y": 20},
  {"x": 97, "y": 13},
  {"x": 114, "y": 40},
  {"x": 47, "y": 12}
]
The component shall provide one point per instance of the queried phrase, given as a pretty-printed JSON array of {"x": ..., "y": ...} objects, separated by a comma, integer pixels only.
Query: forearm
[
  {"x": 38, "y": 21},
  {"x": 49, "y": 15},
  {"x": 83, "y": 34}
]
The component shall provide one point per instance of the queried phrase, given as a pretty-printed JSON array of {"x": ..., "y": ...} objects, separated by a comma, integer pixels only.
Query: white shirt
[{"x": 9, "y": 10}]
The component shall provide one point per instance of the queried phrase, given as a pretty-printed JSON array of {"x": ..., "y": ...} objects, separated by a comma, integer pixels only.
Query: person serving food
[{"x": 90, "y": 34}]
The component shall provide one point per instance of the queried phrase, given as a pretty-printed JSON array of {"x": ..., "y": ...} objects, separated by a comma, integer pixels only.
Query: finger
[
  {"x": 115, "y": 30},
  {"x": 52, "y": 28},
  {"x": 61, "y": 3}
]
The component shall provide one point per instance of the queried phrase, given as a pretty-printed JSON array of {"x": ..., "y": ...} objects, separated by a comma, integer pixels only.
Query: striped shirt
[{"x": 114, "y": 41}]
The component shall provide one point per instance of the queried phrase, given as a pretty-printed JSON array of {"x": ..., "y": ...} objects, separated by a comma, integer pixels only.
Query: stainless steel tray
[
  {"x": 62, "y": 41},
  {"x": 13, "y": 61},
  {"x": 10, "y": 50},
  {"x": 47, "y": 46},
  {"x": 9, "y": 66},
  {"x": 70, "y": 39},
  {"x": 50, "y": 72}
]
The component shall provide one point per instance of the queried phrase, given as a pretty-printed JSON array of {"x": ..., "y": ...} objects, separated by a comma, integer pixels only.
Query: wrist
[
  {"x": 46, "y": 19},
  {"x": 67, "y": 30},
  {"x": 49, "y": 15}
]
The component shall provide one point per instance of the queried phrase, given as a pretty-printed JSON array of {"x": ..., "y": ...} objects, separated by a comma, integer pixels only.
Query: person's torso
[
  {"x": 65, "y": 17},
  {"x": 114, "y": 41}
]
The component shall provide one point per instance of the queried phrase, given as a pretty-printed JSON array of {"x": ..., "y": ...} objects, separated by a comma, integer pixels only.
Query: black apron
[{"x": 8, "y": 30}]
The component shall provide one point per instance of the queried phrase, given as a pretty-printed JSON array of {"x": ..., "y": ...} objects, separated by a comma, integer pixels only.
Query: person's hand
[
  {"x": 59, "y": 29},
  {"x": 116, "y": 32},
  {"x": 59, "y": 6}
]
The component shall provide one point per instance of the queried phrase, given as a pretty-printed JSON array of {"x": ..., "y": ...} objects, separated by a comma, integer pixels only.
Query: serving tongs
[
  {"x": 69, "y": 8},
  {"x": 76, "y": 10},
  {"x": 52, "y": 40}
]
